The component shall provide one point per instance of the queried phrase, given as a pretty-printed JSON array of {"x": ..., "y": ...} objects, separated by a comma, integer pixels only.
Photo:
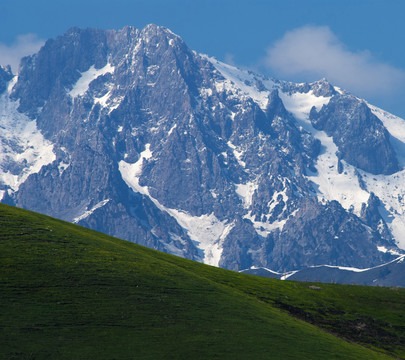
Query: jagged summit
[
  {"x": 323, "y": 88},
  {"x": 360, "y": 136},
  {"x": 156, "y": 30},
  {"x": 132, "y": 133}
]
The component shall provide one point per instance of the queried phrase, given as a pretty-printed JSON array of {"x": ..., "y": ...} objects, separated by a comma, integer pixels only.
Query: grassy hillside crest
[{"x": 67, "y": 292}]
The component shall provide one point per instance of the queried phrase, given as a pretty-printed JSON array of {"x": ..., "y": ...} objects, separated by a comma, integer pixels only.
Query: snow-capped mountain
[{"x": 133, "y": 134}]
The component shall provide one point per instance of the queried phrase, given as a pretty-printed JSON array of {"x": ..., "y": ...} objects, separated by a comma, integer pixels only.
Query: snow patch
[
  {"x": 23, "y": 149},
  {"x": 344, "y": 187},
  {"x": 171, "y": 129},
  {"x": 274, "y": 201},
  {"x": 213, "y": 194},
  {"x": 82, "y": 85},
  {"x": 87, "y": 213},
  {"x": 300, "y": 105},
  {"x": 207, "y": 230},
  {"x": 288, "y": 274},
  {"x": 132, "y": 172},
  {"x": 383, "y": 249},
  {"x": 205, "y": 92},
  {"x": 238, "y": 154},
  {"x": 264, "y": 228},
  {"x": 62, "y": 167},
  {"x": 246, "y": 191},
  {"x": 242, "y": 82}
]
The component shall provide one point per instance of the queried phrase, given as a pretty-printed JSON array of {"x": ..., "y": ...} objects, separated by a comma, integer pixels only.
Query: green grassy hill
[{"x": 67, "y": 292}]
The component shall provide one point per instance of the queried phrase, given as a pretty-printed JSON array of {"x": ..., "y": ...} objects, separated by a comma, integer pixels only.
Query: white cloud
[
  {"x": 313, "y": 52},
  {"x": 24, "y": 45}
]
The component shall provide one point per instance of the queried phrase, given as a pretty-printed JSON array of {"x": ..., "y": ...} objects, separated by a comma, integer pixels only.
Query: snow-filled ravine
[
  {"x": 23, "y": 149},
  {"x": 206, "y": 230}
]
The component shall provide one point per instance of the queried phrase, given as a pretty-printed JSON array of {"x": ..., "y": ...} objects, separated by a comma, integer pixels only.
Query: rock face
[
  {"x": 146, "y": 140},
  {"x": 323, "y": 234},
  {"x": 5, "y": 77},
  {"x": 360, "y": 136}
]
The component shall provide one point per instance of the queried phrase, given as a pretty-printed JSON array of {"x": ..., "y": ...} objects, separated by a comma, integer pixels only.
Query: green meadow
[{"x": 67, "y": 292}]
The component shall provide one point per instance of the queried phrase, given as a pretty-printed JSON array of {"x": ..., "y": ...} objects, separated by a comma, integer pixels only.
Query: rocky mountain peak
[
  {"x": 275, "y": 106},
  {"x": 360, "y": 136},
  {"x": 152, "y": 30},
  {"x": 323, "y": 88},
  {"x": 140, "y": 137}
]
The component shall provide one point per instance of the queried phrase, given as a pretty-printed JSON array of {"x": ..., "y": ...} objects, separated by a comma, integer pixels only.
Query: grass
[{"x": 67, "y": 292}]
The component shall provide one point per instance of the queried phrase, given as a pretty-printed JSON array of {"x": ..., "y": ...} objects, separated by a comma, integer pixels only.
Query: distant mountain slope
[
  {"x": 132, "y": 133},
  {"x": 390, "y": 274},
  {"x": 69, "y": 292}
]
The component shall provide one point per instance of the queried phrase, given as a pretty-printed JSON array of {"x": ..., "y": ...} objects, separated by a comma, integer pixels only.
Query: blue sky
[{"x": 357, "y": 44}]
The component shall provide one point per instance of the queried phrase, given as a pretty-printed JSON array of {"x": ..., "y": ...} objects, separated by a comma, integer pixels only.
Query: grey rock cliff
[
  {"x": 360, "y": 136},
  {"x": 5, "y": 76}
]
